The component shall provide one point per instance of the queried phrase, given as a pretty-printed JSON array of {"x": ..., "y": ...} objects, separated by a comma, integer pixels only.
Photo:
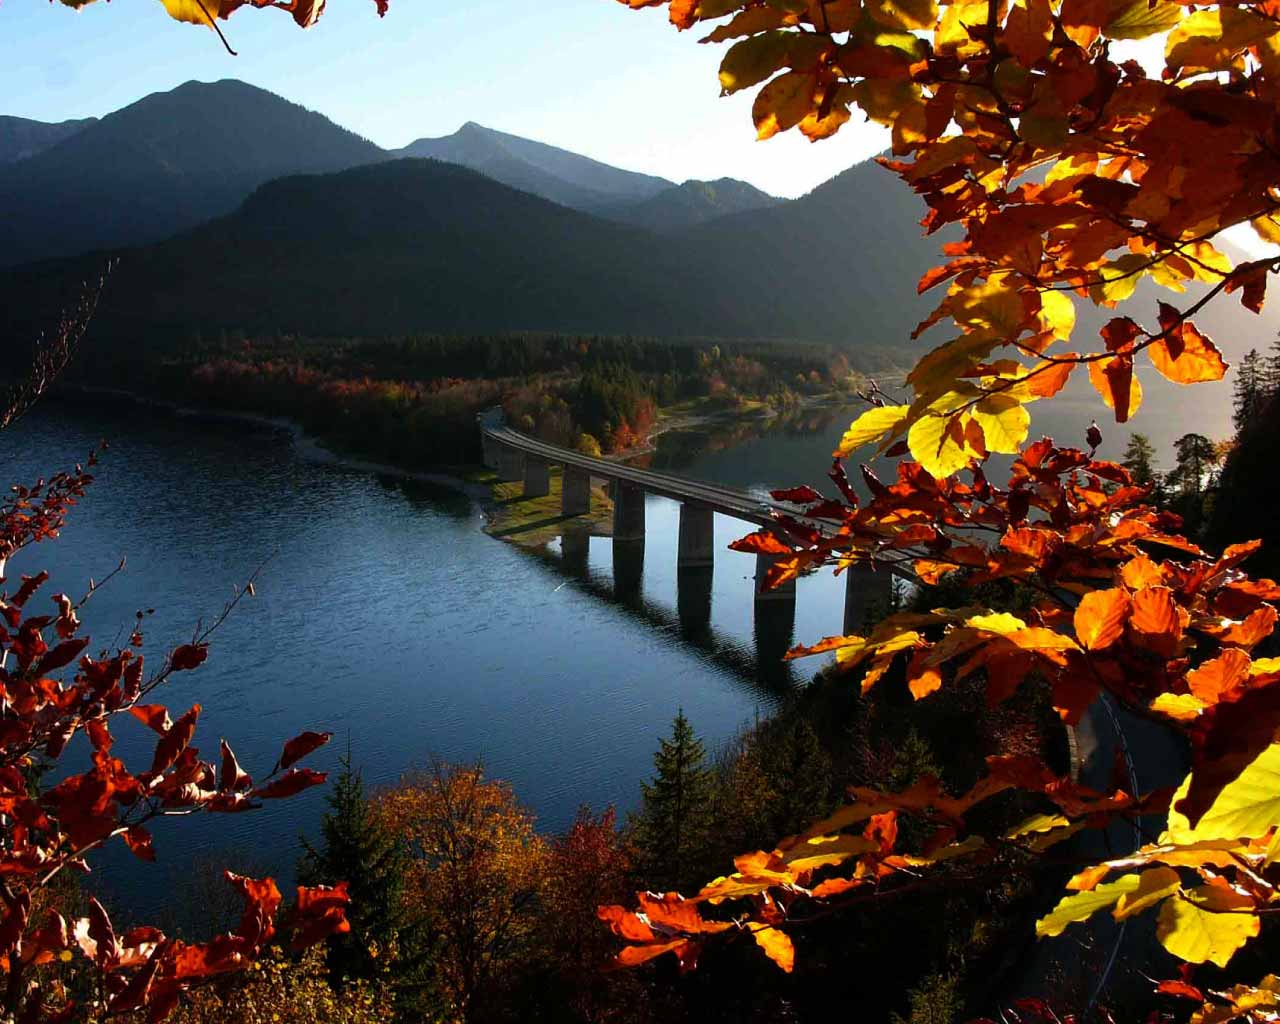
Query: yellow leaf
[
  {"x": 905, "y": 14},
  {"x": 1080, "y": 906},
  {"x": 1004, "y": 422},
  {"x": 1247, "y": 807},
  {"x": 1001, "y": 623},
  {"x": 783, "y": 103},
  {"x": 1058, "y": 312},
  {"x": 1209, "y": 922},
  {"x": 1182, "y": 707},
  {"x": 1267, "y": 228},
  {"x": 824, "y": 851},
  {"x": 1140, "y": 19},
  {"x": 871, "y": 426},
  {"x": 1212, "y": 39},
  {"x": 776, "y": 945},
  {"x": 1153, "y": 886},
  {"x": 898, "y": 104},
  {"x": 191, "y": 12},
  {"x": 937, "y": 442},
  {"x": 753, "y": 60}
]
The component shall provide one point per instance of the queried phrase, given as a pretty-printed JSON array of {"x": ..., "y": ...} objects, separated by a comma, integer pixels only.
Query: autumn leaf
[
  {"x": 872, "y": 425},
  {"x": 1206, "y": 924},
  {"x": 777, "y": 946},
  {"x": 1100, "y": 618}
]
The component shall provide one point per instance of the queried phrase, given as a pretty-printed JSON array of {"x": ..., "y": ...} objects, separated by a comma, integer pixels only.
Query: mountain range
[
  {"x": 231, "y": 208},
  {"x": 176, "y": 159}
]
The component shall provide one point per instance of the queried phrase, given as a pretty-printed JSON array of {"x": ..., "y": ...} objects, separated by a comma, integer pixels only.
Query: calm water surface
[{"x": 386, "y": 616}]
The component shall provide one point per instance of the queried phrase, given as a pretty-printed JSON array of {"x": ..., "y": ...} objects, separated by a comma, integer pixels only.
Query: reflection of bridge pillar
[
  {"x": 693, "y": 600},
  {"x": 510, "y": 463},
  {"x": 863, "y": 585},
  {"x": 786, "y": 592},
  {"x": 628, "y": 570},
  {"x": 575, "y": 552},
  {"x": 775, "y": 625},
  {"x": 575, "y": 492},
  {"x": 537, "y": 477},
  {"x": 697, "y": 536},
  {"x": 628, "y": 512}
]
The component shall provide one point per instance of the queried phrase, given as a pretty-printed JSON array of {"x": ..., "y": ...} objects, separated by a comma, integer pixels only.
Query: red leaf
[
  {"x": 65, "y": 653},
  {"x": 175, "y": 740},
  {"x": 189, "y": 656},
  {"x": 138, "y": 839},
  {"x": 291, "y": 782},
  {"x": 302, "y": 745},
  {"x": 761, "y": 543},
  {"x": 797, "y": 495},
  {"x": 232, "y": 776},
  {"x": 154, "y": 716}
]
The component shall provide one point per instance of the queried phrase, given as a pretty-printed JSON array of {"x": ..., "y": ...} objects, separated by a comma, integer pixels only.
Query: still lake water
[{"x": 387, "y": 616}]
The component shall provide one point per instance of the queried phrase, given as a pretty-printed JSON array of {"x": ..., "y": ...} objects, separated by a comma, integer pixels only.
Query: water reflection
[{"x": 679, "y": 605}]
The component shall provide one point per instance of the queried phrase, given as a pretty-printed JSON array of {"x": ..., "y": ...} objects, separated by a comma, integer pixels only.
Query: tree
[
  {"x": 476, "y": 870},
  {"x": 1135, "y": 177},
  {"x": 676, "y": 806},
  {"x": 358, "y": 848},
  {"x": 1195, "y": 456},
  {"x": 1138, "y": 459},
  {"x": 1249, "y": 391}
]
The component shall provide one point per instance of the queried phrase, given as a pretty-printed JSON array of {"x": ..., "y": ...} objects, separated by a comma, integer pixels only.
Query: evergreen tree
[
  {"x": 1271, "y": 371},
  {"x": 1249, "y": 391},
  {"x": 673, "y": 823},
  {"x": 798, "y": 771},
  {"x": 1196, "y": 458},
  {"x": 356, "y": 848},
  {"x": 1139, "y": 459}
]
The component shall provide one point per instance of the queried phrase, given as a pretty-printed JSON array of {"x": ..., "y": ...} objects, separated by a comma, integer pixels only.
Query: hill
[
  {"x": 547, "y": 171},
  {"x": 694, "y": 202},
  {"x": 417, "y": 245},
  {"x": 160, "y": 165},
  {"x": 21, "y": 138}
]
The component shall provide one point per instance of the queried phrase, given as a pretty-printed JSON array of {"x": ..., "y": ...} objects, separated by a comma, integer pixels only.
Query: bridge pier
[
  {"x": 863, "y": 584},
  {"x": 537, "y": 477},
  {"x": 489, "y": 451},
  {"x": 628, "y": 512},
  {"x": 575, "y": 492},
  {"x": 697, "y": 537},
  {"x": 510, "y": 463},
  {"x": 786, "y": 592}
]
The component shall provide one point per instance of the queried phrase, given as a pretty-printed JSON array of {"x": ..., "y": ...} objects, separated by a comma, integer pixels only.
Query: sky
[{"x": 589, "y": 75}]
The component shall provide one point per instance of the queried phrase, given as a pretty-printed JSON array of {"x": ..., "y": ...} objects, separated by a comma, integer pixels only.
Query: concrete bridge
[{"x": 517, "y": 457}]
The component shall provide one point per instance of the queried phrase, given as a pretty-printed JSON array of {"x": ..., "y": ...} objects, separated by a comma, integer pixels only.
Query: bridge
[{"x": 517, "y": 457}]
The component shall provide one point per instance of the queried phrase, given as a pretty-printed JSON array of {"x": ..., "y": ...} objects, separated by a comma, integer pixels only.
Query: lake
[{"x": 385, "y": 615}]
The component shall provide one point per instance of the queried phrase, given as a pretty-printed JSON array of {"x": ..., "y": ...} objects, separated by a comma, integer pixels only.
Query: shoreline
[{"x": 307, "y": 445}]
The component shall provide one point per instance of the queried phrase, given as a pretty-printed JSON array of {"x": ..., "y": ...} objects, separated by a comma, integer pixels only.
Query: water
[{"x": 385, "y": 615}]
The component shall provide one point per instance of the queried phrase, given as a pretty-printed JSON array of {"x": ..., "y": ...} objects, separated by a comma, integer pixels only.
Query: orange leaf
[
  {"x": 1140, "y": 572},
  {"x": 922, "y": 679},
  {"x": 1113, "y": 378},
  {"x": 777, "y": 946},
  {"x": 1155, "y": 614},
  {"x": 1100, "y": 618},
  {"x": 1218, "y": 677},
  {"x": 1184, "y": 355}
]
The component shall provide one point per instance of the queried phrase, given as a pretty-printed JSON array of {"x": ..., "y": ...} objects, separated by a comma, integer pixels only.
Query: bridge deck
[{"x": 738, "y": 504}]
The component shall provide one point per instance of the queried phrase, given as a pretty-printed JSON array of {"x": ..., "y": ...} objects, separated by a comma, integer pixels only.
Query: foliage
[
  {"x": 54, "y": 688},
  {"x": 357, "y": 847},
  {"x": 476, "y": 869},
  {"x": 1136, "y": 177},
  {"x": 283, "y": 989},
  {"x": 676, "y": 808}
]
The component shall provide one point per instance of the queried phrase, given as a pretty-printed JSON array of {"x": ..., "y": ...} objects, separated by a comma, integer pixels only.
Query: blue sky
[{"x": 588, "y": 75}]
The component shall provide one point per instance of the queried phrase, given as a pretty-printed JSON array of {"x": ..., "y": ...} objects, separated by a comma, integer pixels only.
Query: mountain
[
  {"x": 422, "y": 245},
  {"x": 694, "y": 202},
  {"x": 165, "y": 163},
  {"x": 21, "y": 138},
  {"x": 546, "y": 171}
]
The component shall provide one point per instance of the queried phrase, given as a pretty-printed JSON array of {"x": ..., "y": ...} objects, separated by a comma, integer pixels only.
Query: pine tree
[
  {"x": 1139, "y": 459},
  {"x": 673, "y": 823},
  {"x": 358, "y": 849},
  {"x": 798, "y": 771},
  {"x": 1271, "y": 371},
  {"x": 1249, "y": 391},
  {"x": 1196, "y": 458}
]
